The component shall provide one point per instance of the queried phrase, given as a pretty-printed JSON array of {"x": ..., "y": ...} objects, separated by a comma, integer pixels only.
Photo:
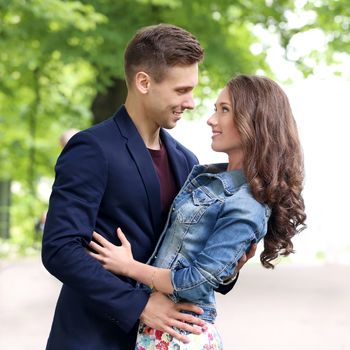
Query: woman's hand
[
  {"x": 119, "y": 260},
  {"x": 116, "y": 259}
]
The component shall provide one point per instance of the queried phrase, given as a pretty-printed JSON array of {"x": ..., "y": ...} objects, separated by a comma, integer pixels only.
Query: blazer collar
[
  {"x": 178, "y": 162},
  {"x": 143, "y": 162}
]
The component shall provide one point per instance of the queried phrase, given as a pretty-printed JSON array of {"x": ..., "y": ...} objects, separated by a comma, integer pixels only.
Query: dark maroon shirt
[{"x": 168, "y": 189}]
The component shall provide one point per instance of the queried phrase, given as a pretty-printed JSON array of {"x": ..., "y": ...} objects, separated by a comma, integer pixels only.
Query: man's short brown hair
[{"x": 155, "y": 48}]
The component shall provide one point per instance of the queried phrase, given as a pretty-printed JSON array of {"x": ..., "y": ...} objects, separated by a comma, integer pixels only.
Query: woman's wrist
[
  {"x": 132, "y": 269},
  {"x": 139, "y": 271},
  {"x": 153, "y": 277}
]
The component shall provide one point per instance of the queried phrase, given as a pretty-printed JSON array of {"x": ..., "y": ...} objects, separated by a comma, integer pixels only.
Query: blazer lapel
[{"x": 144, "y": 164}]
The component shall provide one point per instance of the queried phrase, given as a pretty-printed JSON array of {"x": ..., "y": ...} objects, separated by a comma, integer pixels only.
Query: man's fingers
[
  {"x": 176, "y": 335},
  {"x": 242, "y": 260},
  {"x": 161, "y": 313},
  {"x": 187, "y": 327},
  {"x": 245, "y": 257},
  {"x": 189, "y": 307},
  {"x": 252, "y": 251},
  {"x": 190, "y": 319}
]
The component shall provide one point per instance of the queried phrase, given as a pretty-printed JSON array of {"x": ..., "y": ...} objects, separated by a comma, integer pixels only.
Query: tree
[
  {"x": 223, "y": 28},
  {"x": 41, "y": 90},
  {"x": 61, "y": 65}
]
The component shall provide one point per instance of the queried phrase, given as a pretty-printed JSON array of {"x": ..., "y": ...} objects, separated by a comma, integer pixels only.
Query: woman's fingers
[
  {"x": 96, "y": 256},
  {"x": 100, "y": 239},
  {"x": 96, "y": 247},
  {"x": 122, "y": 237},
  {"x": 105, "y": 243}
]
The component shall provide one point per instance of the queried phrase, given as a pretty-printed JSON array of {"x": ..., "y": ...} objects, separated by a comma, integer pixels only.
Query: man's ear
[{"x": 142, "y": 82}]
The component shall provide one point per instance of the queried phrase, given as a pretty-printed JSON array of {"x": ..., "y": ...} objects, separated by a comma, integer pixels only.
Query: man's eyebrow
[{"x": 185, "y": 87}]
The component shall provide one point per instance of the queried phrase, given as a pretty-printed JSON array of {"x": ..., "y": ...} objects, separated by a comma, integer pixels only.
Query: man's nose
[{"x": 189, "y": 103}]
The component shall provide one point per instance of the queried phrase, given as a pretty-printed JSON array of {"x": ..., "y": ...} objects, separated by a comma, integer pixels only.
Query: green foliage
[
  {"x": 333, "y": 17},
  {"x": 55, "y": 56},
  {"x": 44, "y": 90}
]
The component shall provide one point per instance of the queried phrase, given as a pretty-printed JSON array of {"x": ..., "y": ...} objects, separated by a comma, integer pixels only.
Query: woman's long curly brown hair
[{"x": 273, "y": 159}]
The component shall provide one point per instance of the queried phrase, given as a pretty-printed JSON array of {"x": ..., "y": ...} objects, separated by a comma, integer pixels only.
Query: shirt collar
[{"x": 231, "y": 180}]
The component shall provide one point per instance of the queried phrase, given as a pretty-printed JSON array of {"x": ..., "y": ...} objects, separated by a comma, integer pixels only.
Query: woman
[{"x": 223, "y": 208}]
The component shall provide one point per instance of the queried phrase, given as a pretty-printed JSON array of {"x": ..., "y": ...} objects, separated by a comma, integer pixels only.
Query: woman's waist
[{"x": 209, "y": 313}]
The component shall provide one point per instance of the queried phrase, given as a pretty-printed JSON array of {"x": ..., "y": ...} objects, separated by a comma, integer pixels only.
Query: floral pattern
[{"x": 151, "y": 339}]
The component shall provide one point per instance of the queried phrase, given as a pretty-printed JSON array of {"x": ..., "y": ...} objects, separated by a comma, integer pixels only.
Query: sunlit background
[
  {"x": 320, "y": 105},
  {"x": 320, "y": 108},
  {"x": 61, "y": 67},
  {"x": 67, "y": 72}
]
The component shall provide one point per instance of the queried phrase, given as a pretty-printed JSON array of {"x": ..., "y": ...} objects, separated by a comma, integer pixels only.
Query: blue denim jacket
[{"x": 212, "y": 222}]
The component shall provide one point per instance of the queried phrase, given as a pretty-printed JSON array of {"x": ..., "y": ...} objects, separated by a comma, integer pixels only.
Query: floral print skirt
[{"x": 151, "y": 339}]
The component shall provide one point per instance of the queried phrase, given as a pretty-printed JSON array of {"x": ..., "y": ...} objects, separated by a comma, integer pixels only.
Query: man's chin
[{"x": 171, "y": 124}]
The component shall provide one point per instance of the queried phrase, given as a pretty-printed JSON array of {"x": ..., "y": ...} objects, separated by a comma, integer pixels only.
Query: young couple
[{"x": 129, "y": 173}]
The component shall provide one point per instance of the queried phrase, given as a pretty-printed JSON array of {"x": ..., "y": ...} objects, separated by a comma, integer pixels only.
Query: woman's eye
[{"x": 225, "y": 109}]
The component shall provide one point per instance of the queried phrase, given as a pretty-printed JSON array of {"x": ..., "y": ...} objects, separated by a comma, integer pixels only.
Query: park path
[{"x": 290, "y": 308}]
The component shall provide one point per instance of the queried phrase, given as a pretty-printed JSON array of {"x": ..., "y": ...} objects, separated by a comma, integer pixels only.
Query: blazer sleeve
[
  {"x": 80, "y": 182},
  {"x": 225, "y": 288}
]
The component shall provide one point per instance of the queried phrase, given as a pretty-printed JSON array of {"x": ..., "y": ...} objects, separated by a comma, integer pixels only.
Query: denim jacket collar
[{"x": 231, "y": 180}]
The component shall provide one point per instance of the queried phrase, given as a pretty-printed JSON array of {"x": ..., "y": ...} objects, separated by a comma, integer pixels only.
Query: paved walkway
[{"x": 291, "y": 308}]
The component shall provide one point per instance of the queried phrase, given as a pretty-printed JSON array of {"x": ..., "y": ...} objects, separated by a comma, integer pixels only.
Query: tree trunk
[
  {"x": 5, "y": 202},
  {"x": 108, "y": 101}
]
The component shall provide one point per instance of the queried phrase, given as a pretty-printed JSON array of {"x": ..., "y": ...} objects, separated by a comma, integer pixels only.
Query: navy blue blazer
[{"x": 104, "y": 179}]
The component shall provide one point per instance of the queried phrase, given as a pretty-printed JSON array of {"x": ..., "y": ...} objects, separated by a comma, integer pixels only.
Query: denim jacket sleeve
[{"x": 241, "y": 221}]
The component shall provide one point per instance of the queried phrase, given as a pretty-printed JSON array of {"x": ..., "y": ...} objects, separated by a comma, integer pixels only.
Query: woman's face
[{"x": 225, "y": 136}]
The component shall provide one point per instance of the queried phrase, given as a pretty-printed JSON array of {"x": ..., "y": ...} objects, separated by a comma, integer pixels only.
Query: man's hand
[
  {"x": 231, "y": 280},
  {"x": 163, "y": 314},
  {"x": 245, "y": 257}
]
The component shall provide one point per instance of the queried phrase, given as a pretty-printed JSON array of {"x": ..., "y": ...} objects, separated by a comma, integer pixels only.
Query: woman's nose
[{"x": 211, "y": 120}]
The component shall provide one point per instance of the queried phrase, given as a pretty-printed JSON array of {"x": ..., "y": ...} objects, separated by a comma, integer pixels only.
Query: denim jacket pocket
[
  {"x": 192, "y": 210},
  {"x": 180, "y": 262}
]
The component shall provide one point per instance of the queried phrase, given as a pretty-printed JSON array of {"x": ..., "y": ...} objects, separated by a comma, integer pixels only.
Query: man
[
  {"x": 40, "y": 222},
  {"x": 122, "y": 173}
]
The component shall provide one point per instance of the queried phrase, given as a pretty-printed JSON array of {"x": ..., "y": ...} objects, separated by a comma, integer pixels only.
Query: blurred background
[{"x": 61, "y": 68}]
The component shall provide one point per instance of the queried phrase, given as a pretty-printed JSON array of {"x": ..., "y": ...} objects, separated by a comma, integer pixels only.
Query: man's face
[{"x": 168, "y": 99}]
